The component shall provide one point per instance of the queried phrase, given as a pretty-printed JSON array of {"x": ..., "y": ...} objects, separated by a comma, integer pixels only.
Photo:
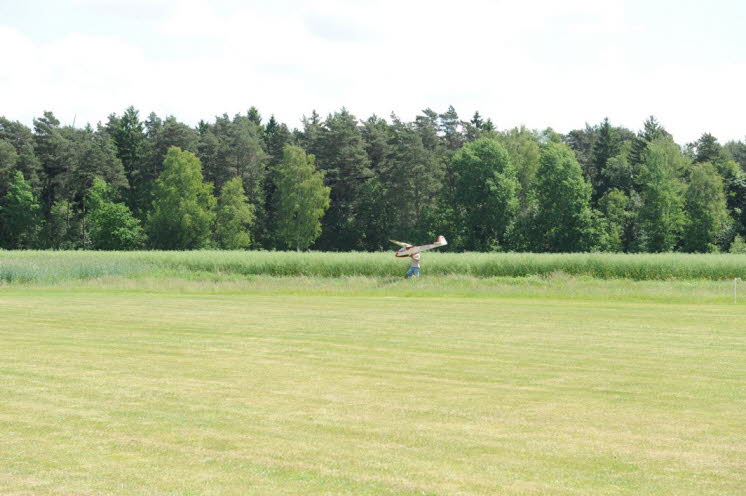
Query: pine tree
[
  {"x": 709, "y": 150},
  {"x": 276, "y": 136},
  {"x": 427, "y": 127},
  {"x": 375, "y": 132},
  {"x": 582, "y": 142},
  {"x": 21, "y": 139},
  {"x": 52, "y": 150},
  {"x": 93, "y": 154},
  {"x": 606, "y": 146},
  {"x": 8, "y": 159},
  {"x": 651, "y": 131},
  {"x": 129, "y": 137},
  {"x": 162, "y": 135},
  {"x": 376, "y": 218},
  {"x": 254, "y": 116},
  {"x": 346, "y": 167},
  {"x": 411, "y": 177},
  {"x": 450, "y": 128},
  {"x": 474, "y": 128}
]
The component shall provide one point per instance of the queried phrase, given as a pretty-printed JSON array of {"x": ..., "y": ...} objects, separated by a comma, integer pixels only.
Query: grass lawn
[{"x": 267, "y": 387}]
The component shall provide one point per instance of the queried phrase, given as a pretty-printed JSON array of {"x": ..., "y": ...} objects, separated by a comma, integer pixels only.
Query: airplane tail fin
[{"x": 442, "y": 241}]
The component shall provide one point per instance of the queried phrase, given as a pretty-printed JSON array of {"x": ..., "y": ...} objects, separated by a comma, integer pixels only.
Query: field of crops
[{"x": 47, "y": 266}]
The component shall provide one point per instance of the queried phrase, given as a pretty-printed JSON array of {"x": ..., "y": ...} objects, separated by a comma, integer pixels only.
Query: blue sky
[{"x": 533, "y": 62}]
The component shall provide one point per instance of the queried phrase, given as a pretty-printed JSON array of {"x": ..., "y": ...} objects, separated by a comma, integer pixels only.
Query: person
[{"x": 414, "y": 267}]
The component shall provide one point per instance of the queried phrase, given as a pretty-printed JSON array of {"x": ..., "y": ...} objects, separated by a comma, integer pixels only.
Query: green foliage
[
  {"x": 234, "y": 217},
  {"x": 397, "y": 179},
  {"x": 19, "y": 214},
  {"x": 708, "y": 150},
  {"x": 8, "y": 159},
  {"x": 615, "y": 205},
  {"x": 736, "y": 150},
  {"x": 111, "y": 225},
  {"x": 486, "y": 192},
  {"x": 22, "y": 156},
  {"x": 43, "y": 266},
  {"x": 662, "y": 217},
  {"x": 375, "y": 217},
  {"x": 302, "y": 199},
  {"x": 607, "y": 145},
  {"x": 523, "y": 147},
  {"x": 738, "y": 246},
  {"x": 231, "y": 148},
  {"x": 706, "y": 209},
  {"x": 53, "y": 152},
  {"x": 182, "y": 212},
  {"x": 563, "y": 221},
  {"x": 131, "y": 144},
  {"x": 63, "y": 228},
  {"x": 92, "y": 155},
  {"x": 450, "y": 127},
  {"x": 411, "y": 177},
  {"x": 652, "y": 131},
  {"x": 276, "y": 136},
  {"x": 340, "y": 152},
  {"x": 619, "y": 172}
]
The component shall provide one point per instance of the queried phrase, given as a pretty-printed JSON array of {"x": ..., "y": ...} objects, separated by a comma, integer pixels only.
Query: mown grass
[
  {"x": 556, "y": 286},
  {"x": 253, "y": 385},
  {"x": 47, "y": 266}
]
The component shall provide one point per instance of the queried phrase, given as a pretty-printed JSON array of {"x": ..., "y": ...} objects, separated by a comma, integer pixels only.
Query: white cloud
[{"x": 534, "y": 62}]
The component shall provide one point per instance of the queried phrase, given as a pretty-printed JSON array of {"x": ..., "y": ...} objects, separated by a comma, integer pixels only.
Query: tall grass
[{"x": 50, "y": 266}]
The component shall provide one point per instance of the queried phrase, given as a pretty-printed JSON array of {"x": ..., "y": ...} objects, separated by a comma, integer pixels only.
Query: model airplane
[{"x": 409, "y": 250}]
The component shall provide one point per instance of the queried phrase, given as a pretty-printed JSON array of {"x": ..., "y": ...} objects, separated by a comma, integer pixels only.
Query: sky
[{"x": 539, "y": 63}]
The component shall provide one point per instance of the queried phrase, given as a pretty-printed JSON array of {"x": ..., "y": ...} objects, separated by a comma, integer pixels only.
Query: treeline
[{"x": 342, "y": 184}]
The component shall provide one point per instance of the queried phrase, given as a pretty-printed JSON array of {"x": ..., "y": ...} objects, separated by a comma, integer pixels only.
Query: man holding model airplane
[{"x": 412, "y": 251}]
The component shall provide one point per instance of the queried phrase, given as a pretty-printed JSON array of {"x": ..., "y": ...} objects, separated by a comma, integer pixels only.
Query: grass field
[
  {"x": 451, "y": 385},
  {"x": 52, "y": 266}
]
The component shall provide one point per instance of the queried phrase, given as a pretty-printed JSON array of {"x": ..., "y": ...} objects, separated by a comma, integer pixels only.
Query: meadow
[
  {"x": 204, "y": 374},
  {"x": 57, "y": 266}
]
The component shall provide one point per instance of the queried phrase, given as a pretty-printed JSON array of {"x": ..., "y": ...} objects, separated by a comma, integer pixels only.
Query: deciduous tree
[
  {"x": 563, "y": 221},
  {"x": 486, "y": 191},
  {"x": 301, "y": 199},
  {"x": 234, "y": 217},
  {"x": 111, "y": 225},
  {"x": 183, "y": 209},
  {"x": 20, "y": 217},
  {"x": 662, "y": 216},
  {"x": 706, "y": 209}
]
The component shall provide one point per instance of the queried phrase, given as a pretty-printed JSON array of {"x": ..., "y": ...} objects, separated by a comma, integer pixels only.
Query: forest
[{"x": 341, "y": 184}]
